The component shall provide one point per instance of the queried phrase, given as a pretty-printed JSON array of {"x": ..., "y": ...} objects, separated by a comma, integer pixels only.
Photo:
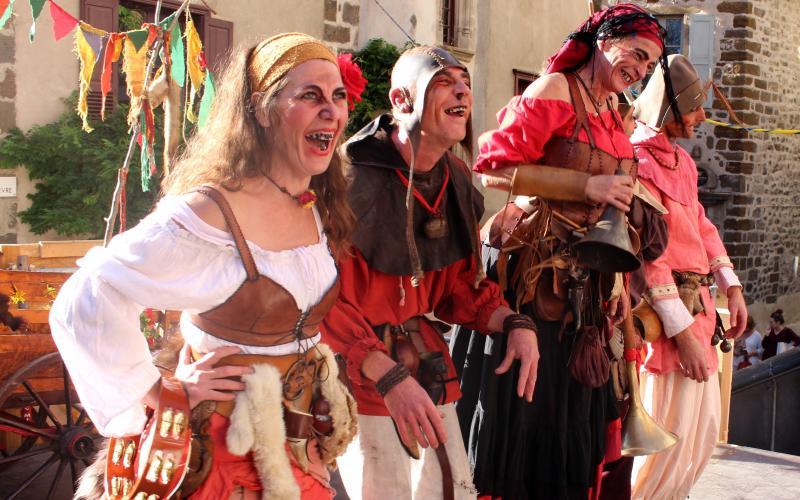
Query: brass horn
[
  {"x": 641, "y": 435},
  {"x": 607, "y": 246}
]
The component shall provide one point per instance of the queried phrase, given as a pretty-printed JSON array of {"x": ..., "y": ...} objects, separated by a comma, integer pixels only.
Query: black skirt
[{"x": 549, "y": 448}]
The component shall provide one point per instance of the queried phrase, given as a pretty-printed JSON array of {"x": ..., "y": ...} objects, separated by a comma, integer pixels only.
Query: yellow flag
[
  {"x": 87, "y": 57},
  {"x": 134, "y": 65},
  {"x": 197, "y": 75}
]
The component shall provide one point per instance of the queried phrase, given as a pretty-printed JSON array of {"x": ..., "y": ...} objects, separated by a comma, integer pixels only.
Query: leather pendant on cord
[{"x": 436, "y": 225}]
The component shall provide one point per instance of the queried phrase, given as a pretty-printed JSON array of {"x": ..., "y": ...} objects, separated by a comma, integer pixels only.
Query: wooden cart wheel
[{"x": 58, "y": 436}]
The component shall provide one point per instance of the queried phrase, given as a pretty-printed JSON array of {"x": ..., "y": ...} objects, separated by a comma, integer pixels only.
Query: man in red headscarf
[{"x": 558, "y": 147}]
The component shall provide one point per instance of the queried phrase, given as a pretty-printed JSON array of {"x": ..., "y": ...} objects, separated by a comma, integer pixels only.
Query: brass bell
[
  {"x": 607, "y": 246},
  {"x": 641, "y": 435},
  {"x": 435, "y": 227}
]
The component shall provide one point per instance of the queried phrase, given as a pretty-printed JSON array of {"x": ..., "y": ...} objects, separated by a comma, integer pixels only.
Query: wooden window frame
[
  {"x": 449, "y": 20},
  {"x": 522, "y": 79}
]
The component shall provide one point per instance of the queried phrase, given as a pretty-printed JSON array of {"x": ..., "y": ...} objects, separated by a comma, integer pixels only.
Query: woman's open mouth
[{"x": 321, "y": 140}]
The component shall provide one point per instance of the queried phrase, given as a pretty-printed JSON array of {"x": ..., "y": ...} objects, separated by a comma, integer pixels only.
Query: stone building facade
[{"x": 751, "y": 184}]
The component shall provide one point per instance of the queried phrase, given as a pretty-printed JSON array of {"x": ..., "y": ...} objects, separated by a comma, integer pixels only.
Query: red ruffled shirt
[
  {"x": 528, "y": 123},
  {"x": 370, "y": 298}
]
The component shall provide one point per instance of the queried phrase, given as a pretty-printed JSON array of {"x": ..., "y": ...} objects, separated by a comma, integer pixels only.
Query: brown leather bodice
[
  {"x": 570, "y": 152},
  {"x": 260, "y": 312}
]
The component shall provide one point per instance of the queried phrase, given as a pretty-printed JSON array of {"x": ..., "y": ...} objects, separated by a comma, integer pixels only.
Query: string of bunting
[
  {"x": 777, "y": 131},
  {"x": 95, "y": 46},
  {"x": 739, "y": 124}
]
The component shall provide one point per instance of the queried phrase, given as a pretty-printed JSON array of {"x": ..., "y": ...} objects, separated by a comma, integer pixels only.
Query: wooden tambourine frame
[{"x": 151, "y": 466}]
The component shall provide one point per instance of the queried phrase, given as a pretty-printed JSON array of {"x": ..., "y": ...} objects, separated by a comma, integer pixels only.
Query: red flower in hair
[{"x": 353, "y": 79}]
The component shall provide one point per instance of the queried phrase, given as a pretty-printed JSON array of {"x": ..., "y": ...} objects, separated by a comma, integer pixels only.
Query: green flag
[
  {"x": 5, "y": 7},
  {"x": 138, "y": 38},
  {"x": 178, "y": 73},
  {"x": 207, "y": 101},
  {"x": 36, "y": 9}
]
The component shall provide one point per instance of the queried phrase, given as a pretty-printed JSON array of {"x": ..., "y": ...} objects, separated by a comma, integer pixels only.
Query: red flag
[
  {"x": 110, "y": 56},
  {"x": 63, "y": 22}
]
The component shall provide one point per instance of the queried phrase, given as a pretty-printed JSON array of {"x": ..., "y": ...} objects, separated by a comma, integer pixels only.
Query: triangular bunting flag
[
  {"x": 134, "y": 65},
  {"x": 63, "y": 22},
  {"x": 36, "y": 9},
  {"x": 95, "y": 41},
  {"x": 178, "y": 68},
  {"x": 137, "y": 38},
  {"x": 167, "y": 21},
  {"x": 5, "y": 11},
  {"x": 194, "y": 47},
  {"x": 207, "y": 100},
  {"x": 111, "y": 55},
  {"x": 87, "y": 56},
  {"x": 197, "y": 74}
]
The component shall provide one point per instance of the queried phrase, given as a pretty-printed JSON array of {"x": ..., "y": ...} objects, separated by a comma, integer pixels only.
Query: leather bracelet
[
  {"x": 390, "y": 379},
  {"x": 513, "y": 321}
]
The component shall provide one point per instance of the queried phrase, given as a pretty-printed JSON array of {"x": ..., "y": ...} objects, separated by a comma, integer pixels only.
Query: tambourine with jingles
[{"x": 151, "y": 466}]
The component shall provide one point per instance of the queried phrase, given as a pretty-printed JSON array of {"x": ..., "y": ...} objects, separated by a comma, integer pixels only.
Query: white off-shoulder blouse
[{"x": 171, "y": 260}]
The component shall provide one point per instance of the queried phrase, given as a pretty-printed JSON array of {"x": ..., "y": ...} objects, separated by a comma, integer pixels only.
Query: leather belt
[
  {"x": 299, "y": 421},
  {"x": 682, "y": 277}
]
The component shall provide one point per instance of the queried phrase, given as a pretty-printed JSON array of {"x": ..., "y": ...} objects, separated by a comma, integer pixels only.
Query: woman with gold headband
[{"x": 244, "y": 242}]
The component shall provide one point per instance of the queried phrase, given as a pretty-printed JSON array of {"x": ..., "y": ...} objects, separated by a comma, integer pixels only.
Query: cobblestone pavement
[
  {"x": 740, "y": 473},
  {"x": 734, "y": 473}
]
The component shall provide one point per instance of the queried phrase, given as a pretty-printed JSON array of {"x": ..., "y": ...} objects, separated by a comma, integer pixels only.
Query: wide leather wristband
[
  {"x": 514, "y": 321},
  {"x": 390, "y": 379},
  {"x": 550, "y": 183}
]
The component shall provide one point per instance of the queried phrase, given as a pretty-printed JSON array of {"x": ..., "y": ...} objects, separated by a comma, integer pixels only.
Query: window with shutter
[
  {"x": 217, "y": 42},
  {"x": 701, "y": 47},
  {"x": 101, "y": 14}
]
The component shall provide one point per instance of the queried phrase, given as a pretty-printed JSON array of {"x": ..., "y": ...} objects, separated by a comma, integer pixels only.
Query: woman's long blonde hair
[{"x": 232, "y": 147}]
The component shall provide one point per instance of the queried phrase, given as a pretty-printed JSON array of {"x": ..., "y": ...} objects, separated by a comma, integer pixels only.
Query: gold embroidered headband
[{"x": 275, "y": 56}]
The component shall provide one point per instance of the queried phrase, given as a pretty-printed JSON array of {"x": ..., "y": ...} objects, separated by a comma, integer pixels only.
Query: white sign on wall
[{"x": 8, "y": 187}]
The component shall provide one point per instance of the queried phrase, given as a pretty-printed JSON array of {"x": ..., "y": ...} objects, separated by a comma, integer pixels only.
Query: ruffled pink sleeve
[{"x": 526, "y": 124}]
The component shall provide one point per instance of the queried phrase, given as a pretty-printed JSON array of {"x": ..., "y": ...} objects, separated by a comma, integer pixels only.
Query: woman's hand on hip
[
  {"x": 205, "y": 381},
  {"x": 616, "y": 190},
  {"x": 416, "y": 416}
]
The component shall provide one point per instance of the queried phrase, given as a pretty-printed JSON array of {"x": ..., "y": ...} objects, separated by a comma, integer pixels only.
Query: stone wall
[
  {"x": 341, "y": 23},
  {"x": 757, "y": 66}
]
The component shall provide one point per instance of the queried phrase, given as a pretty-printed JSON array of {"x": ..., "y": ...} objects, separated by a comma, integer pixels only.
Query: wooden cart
[{"x": 45, "y": 434}]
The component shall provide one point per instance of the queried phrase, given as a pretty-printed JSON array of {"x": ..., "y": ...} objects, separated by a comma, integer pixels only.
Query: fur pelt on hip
[
  {"x": 343, "y": 410},
  {"x": 257, "y": 425}
]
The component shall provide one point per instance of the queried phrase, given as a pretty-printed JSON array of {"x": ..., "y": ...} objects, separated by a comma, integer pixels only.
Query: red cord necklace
[{"x": 436, "y": 225}]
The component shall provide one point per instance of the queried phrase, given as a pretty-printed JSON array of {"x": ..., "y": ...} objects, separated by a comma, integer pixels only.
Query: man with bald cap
[
  {"x": 679, "y": 382},
  {"x": 398, "y": 283}
]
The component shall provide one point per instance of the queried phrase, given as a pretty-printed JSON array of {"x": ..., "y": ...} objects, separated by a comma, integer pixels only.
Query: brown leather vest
[
  {"x": 260, "y": 312},
  {"x": 569, "y": 152}
]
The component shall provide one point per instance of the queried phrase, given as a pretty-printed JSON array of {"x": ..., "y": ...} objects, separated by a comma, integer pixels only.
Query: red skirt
[{"x": 229, "y": 471}]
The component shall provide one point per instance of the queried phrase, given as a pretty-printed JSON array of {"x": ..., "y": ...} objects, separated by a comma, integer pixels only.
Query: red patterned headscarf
[{"x": 618, "y": 21}]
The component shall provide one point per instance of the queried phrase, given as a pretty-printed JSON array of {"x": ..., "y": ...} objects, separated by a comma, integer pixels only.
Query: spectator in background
[
  {"x": 778, "y": 333},
  {"x": 748, "y": 347}
]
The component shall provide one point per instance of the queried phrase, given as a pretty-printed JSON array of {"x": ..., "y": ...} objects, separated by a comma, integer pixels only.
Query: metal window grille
[{"x": 449, "y": 28}]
